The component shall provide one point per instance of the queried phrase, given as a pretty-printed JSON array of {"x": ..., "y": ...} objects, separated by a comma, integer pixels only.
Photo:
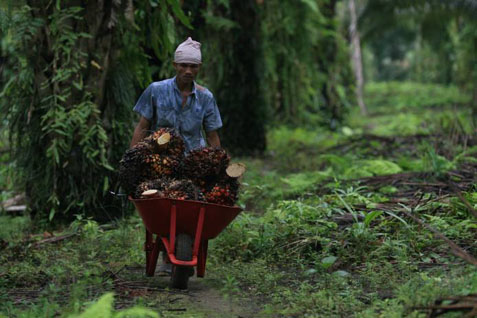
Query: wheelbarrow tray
[
  {"x": 156, "y": 215},
  {"x": 167, "y": 217}
]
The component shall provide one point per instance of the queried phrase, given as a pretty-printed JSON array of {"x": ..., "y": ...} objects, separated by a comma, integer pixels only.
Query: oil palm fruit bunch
[
  {"x": 203, "y": 162},
  {"x": 156, "y": 167},
  {"x": 166, "y": 141},
  {"x": 159, "y": 184},
  {"x": 132, "y": 170},
  {"x": 167, "y": 149},
  {"x": 183, "y": 190},
  {"x": 188, "y": 188},
  {"x": 225, "y": 190},
  {"x": 160, "y": 165}
]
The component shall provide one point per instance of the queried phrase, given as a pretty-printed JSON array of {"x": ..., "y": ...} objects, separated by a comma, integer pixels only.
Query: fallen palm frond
[{"x": 452, "y": 304}]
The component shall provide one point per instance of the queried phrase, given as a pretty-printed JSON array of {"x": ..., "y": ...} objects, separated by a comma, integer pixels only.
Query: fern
[
  {"x": 368, "y": 168},
  {"x": 103, "y": 308},
  {"x": 301, "y": 182}
]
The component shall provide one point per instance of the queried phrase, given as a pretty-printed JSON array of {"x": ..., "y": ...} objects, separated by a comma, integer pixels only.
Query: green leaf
[
  {"x": 312, "y": 5},
  {"x": 371, "y": 216},
  {"x": 310, "y": 271},
  {"x": 220, "y": 23},
  {"x": 107, "y": 166},
  {"x": 341, "y": 273},
  {"x": 105, "y": 184},
  {"x": 103, "y": 308},
  {"x": 397, "y": 217},
  {"x": 78, "y": 85},
  {"x": 176, "y": 8},
  {"x": 328, "y": 261},
  {"x": 52, "y": 214}
]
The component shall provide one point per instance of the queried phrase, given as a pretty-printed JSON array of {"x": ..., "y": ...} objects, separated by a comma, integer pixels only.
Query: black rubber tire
[{"x": 180, "y": 274}]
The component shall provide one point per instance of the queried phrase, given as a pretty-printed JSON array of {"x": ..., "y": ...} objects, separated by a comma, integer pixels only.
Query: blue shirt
[{"x": 161, "y": 104}]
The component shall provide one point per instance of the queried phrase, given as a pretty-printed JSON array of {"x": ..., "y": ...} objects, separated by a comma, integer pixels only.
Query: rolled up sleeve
[
  {"x": 145, "y": 103},
  {"x": 212, "y": 119}
]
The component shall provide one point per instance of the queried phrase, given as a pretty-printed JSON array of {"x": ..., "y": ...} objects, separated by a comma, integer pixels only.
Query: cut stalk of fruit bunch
[
  {"x": 166, "y": 141},
  {"x": 160, "y": 144},
  {"x": 150, "y": 193},
  {"x": 235, "y": 170}
]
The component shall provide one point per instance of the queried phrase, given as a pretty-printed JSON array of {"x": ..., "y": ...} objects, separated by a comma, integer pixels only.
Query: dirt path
[
  {"x": 202, "y": 296},
  {"x": 203, "y": 299}
]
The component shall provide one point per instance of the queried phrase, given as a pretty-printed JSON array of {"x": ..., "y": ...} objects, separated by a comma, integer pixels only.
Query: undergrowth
[{"x": 314, "y": 240}]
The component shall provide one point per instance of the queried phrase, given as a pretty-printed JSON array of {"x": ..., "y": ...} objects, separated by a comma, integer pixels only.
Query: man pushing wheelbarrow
[
  {"x": 180, "y": 103},
  {"x": 183, "y": 190}
]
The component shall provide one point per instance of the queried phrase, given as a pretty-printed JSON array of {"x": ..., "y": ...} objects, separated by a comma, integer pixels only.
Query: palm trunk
[
  {"x": 356, "y": 57},
  {"x": 474, "y": 88}
]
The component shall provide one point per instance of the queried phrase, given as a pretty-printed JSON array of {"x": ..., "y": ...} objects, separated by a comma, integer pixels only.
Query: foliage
[
  {"x": 304, "y": 83},
  {"x": 67, "y": 102},
  {"x": 285, "y": 80},
  {"x": 295, "y": 149},
  {"x": 425, "y": 40},
  {"x": 15, "y": 229},
  {"x": 409, "y": 108},
  {"x": 311, "y": 242}
]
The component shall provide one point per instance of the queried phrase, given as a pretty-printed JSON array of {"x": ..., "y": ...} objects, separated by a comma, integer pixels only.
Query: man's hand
[
  {"x": 213, "y": 139},
  {"x": 140, "y": 132}
]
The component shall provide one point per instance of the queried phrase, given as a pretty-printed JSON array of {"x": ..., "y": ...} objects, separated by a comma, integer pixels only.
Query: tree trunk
[
  {"x": 356, "y": 56},
  {"x": 474, "y": 88},
  {"x": 244, "y": 124}
]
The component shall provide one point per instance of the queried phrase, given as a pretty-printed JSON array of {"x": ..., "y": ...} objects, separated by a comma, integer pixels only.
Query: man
[{"x": 180, "y": 103}]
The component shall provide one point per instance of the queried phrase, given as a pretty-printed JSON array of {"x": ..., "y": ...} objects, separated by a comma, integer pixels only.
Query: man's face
[{"x": 185, "y": 72}]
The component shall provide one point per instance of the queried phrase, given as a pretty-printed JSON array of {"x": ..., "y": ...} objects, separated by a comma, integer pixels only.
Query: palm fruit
[
  {"x": 159, "y": 165},
  {"x": 221, "y": 194},
  {"x": 205, "y": 162},
  {"x": 176, "y": 194},
  {"x": 131, "y": 168}
]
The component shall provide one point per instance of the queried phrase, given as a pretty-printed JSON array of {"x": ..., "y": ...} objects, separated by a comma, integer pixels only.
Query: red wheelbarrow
[{"x": 183, "y": 229}]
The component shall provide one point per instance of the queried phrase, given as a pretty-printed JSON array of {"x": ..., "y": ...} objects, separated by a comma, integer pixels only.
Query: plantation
[
  {"x": 328, "y": 230},
  {"x": 238, "y": 158}
]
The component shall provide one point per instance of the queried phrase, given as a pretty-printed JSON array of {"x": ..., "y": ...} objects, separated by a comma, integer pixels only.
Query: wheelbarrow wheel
[{"x": 180, "y": 274}]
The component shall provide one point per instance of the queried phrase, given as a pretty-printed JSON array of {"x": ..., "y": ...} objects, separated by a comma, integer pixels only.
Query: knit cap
[{"x": 188, "y": 52}]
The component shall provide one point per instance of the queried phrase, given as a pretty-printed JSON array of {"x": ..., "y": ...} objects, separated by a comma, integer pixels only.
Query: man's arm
[
  {"x": 213, "y": 139},
  {"x": 140, "y": 132}
]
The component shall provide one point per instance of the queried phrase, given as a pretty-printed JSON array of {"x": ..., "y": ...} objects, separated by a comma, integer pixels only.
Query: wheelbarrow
[{"x": 183, "y": 229}]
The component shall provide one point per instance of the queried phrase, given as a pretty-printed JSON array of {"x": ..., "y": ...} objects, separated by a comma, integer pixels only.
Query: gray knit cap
[{"x": 188, "y": 52}]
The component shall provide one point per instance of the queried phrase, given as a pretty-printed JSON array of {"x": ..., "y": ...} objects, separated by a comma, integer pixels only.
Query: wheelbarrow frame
[{"x": 166, "y": 218}]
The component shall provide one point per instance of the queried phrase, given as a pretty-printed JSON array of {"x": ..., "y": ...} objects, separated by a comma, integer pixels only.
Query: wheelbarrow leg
[
  {"x": 148, "y": 247},
  {"x": 152, "y": 253},
  {"x": 202, "y": 258}
]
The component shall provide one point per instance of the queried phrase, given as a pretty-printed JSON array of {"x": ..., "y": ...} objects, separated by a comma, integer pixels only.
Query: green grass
[{"x": 398, "y": 96}]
